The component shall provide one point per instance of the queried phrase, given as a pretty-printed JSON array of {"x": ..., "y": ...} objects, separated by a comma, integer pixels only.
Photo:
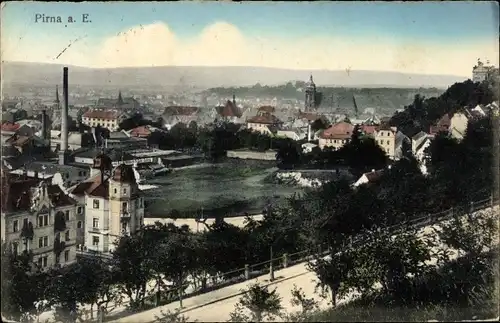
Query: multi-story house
[
  {"x": 106, "y": 118},
  {"x": 336, "y": 136},
  {"x": 265, "y": 123},
  {"x": 41, "y": 219},
  {"x": 391, "y": 141},
  {"x": 482, "y": 72},
  {"x": 113, "y": 202}
]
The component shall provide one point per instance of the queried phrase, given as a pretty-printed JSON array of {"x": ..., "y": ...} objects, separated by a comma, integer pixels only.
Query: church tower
[
  {"x": 310, "y": 100},
  {"x": 120, "y": 99},
  {"x": 56, "y": 101}
]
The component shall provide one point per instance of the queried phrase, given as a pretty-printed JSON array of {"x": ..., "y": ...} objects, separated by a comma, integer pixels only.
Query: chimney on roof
[{"x": 64, "y": 119}]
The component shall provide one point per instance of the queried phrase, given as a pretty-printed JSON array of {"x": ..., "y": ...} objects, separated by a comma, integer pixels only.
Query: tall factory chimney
[
  {"x": 64, "y": 120},
  {"x": 44, "y": 124}
]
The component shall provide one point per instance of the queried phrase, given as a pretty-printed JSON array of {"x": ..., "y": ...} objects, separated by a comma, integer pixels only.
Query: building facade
[
  {"x": 114, "y": 205},
  {"x": 336, "y": 136},
  {"x": 385, "y": 137},
  {"x": 40, "y": 219},
  {"x": 106, "y": 118},
  {"x": 482, "y": 72}
]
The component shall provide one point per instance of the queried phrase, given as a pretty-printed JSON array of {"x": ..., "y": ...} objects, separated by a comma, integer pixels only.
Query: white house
[
  {"x": 114, "y": 204},
  {"x": 458, "y": 125}
]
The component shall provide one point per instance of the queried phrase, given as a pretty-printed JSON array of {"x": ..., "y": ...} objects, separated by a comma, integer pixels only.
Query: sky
[{"x": 418, "y": 37}]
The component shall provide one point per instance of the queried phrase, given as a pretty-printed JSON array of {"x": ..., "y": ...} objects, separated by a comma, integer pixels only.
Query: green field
[{"x": 230, "y": 188}]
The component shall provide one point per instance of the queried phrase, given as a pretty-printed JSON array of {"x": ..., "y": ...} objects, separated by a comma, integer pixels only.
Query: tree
[
  {"x": 21, "y": 287},
  {"x": 261, "y": 303},
  {"x": 172, "y": 317},
  {"x": 132, "y": 267},
  {"x": 288, "y": 154},
  {"x": 299, "y": 298}
]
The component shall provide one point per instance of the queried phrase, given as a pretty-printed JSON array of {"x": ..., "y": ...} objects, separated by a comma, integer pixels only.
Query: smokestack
[
  {"x": 44, "y": 124},
  {"x": 64, "y": 119}
]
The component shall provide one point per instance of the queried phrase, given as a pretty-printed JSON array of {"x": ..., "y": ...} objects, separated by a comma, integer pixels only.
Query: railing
[{"x": 248, "y": 272}]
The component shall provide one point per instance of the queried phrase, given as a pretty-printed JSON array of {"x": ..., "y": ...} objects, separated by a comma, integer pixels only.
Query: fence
[{"x": 250, "y": 271}]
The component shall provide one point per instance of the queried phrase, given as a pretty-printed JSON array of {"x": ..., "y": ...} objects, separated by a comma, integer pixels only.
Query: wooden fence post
[
  {"x": 285, "y": 260},
  {"x": 247, "y": 272}
]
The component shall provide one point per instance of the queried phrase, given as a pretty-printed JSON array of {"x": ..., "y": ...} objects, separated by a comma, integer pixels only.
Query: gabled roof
[
  {"x": 340, "y": 130},
  {"x": 419, "y": 136},
  {"x": 229, "y": 110},
  {"x": 102, "y": 114},
  {"x": 17, "y": 194},
  {"x": 265, "y": 118},
  {"x": 94, "y": 186}
]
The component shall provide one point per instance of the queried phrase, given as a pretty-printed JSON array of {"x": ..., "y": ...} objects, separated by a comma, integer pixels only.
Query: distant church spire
[
  {"x": 120, "y": 100},
  {"x": 57, "y": 95}
]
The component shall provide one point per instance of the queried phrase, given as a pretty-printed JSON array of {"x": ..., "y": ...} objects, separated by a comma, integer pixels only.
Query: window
[
  {"x": 15, "y": 248},
  {"x": 124, "y": 191},
  {"x": 45, "y": 261},
  {"x": 66, "y": 236},
  {"x": 43, "y": 220},
  {"x": 387, "y": 142},
  {"x": 95, "y": 241},
  {"x": 66, "y": 255},
  {"x": 40, "y": 264},
  {"x": 116, "y": 191},
  {"x": 79, "y": 224},
  {"x": 96, "y": 204},
  {"x": 80, "y": 210},
  {"x": 67, "y": 215},
  {"x": 124, "y": 206},
  {"x": 43, "y": 242},
  {"x": 95, "y": 223},
  {"x": 15, "y": 226}
]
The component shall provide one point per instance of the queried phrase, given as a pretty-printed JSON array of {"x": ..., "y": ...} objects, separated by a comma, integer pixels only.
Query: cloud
[{"x": 223, "y": 44}]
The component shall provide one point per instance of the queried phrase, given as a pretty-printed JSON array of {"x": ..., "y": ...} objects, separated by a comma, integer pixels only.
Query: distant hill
[{"x": 209, "y": 77}]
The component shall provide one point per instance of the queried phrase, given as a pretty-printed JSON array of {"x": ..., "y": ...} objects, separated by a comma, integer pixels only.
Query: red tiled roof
[
  {"x": 181, "y": 110},
  {"x": 340, "y": 130},
  {"x": 266, "y": 108},
  {"x": 7, "y": 126},
  {"x": 229, "y": 110},
  {"x": 370, "y": 130},
  {"x": 141, "y": 131},
  {"x": 93, "y": 187},
  {"x": 265, "y": 118},
  {"x": 102, "y": 114}
]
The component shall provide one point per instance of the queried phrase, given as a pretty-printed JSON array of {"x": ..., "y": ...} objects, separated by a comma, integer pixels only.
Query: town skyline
[{"x": 308, "y": 36}]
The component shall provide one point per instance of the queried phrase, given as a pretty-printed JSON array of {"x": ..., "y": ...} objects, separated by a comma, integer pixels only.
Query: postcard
[{"x": 250, "y": 161}]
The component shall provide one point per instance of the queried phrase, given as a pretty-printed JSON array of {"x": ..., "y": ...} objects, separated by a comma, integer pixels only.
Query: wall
[
  {"x": 334, "y": 143},
  {"x": 386, "y": 139},
  {"x": 248, "y": 154}
]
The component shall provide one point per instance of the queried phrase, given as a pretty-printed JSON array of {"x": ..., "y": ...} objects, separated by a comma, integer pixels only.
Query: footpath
[{"x": 215, "y": 306}]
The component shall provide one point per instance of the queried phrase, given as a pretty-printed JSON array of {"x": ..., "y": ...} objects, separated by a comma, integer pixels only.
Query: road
[{"x": 217, "y": 305}]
